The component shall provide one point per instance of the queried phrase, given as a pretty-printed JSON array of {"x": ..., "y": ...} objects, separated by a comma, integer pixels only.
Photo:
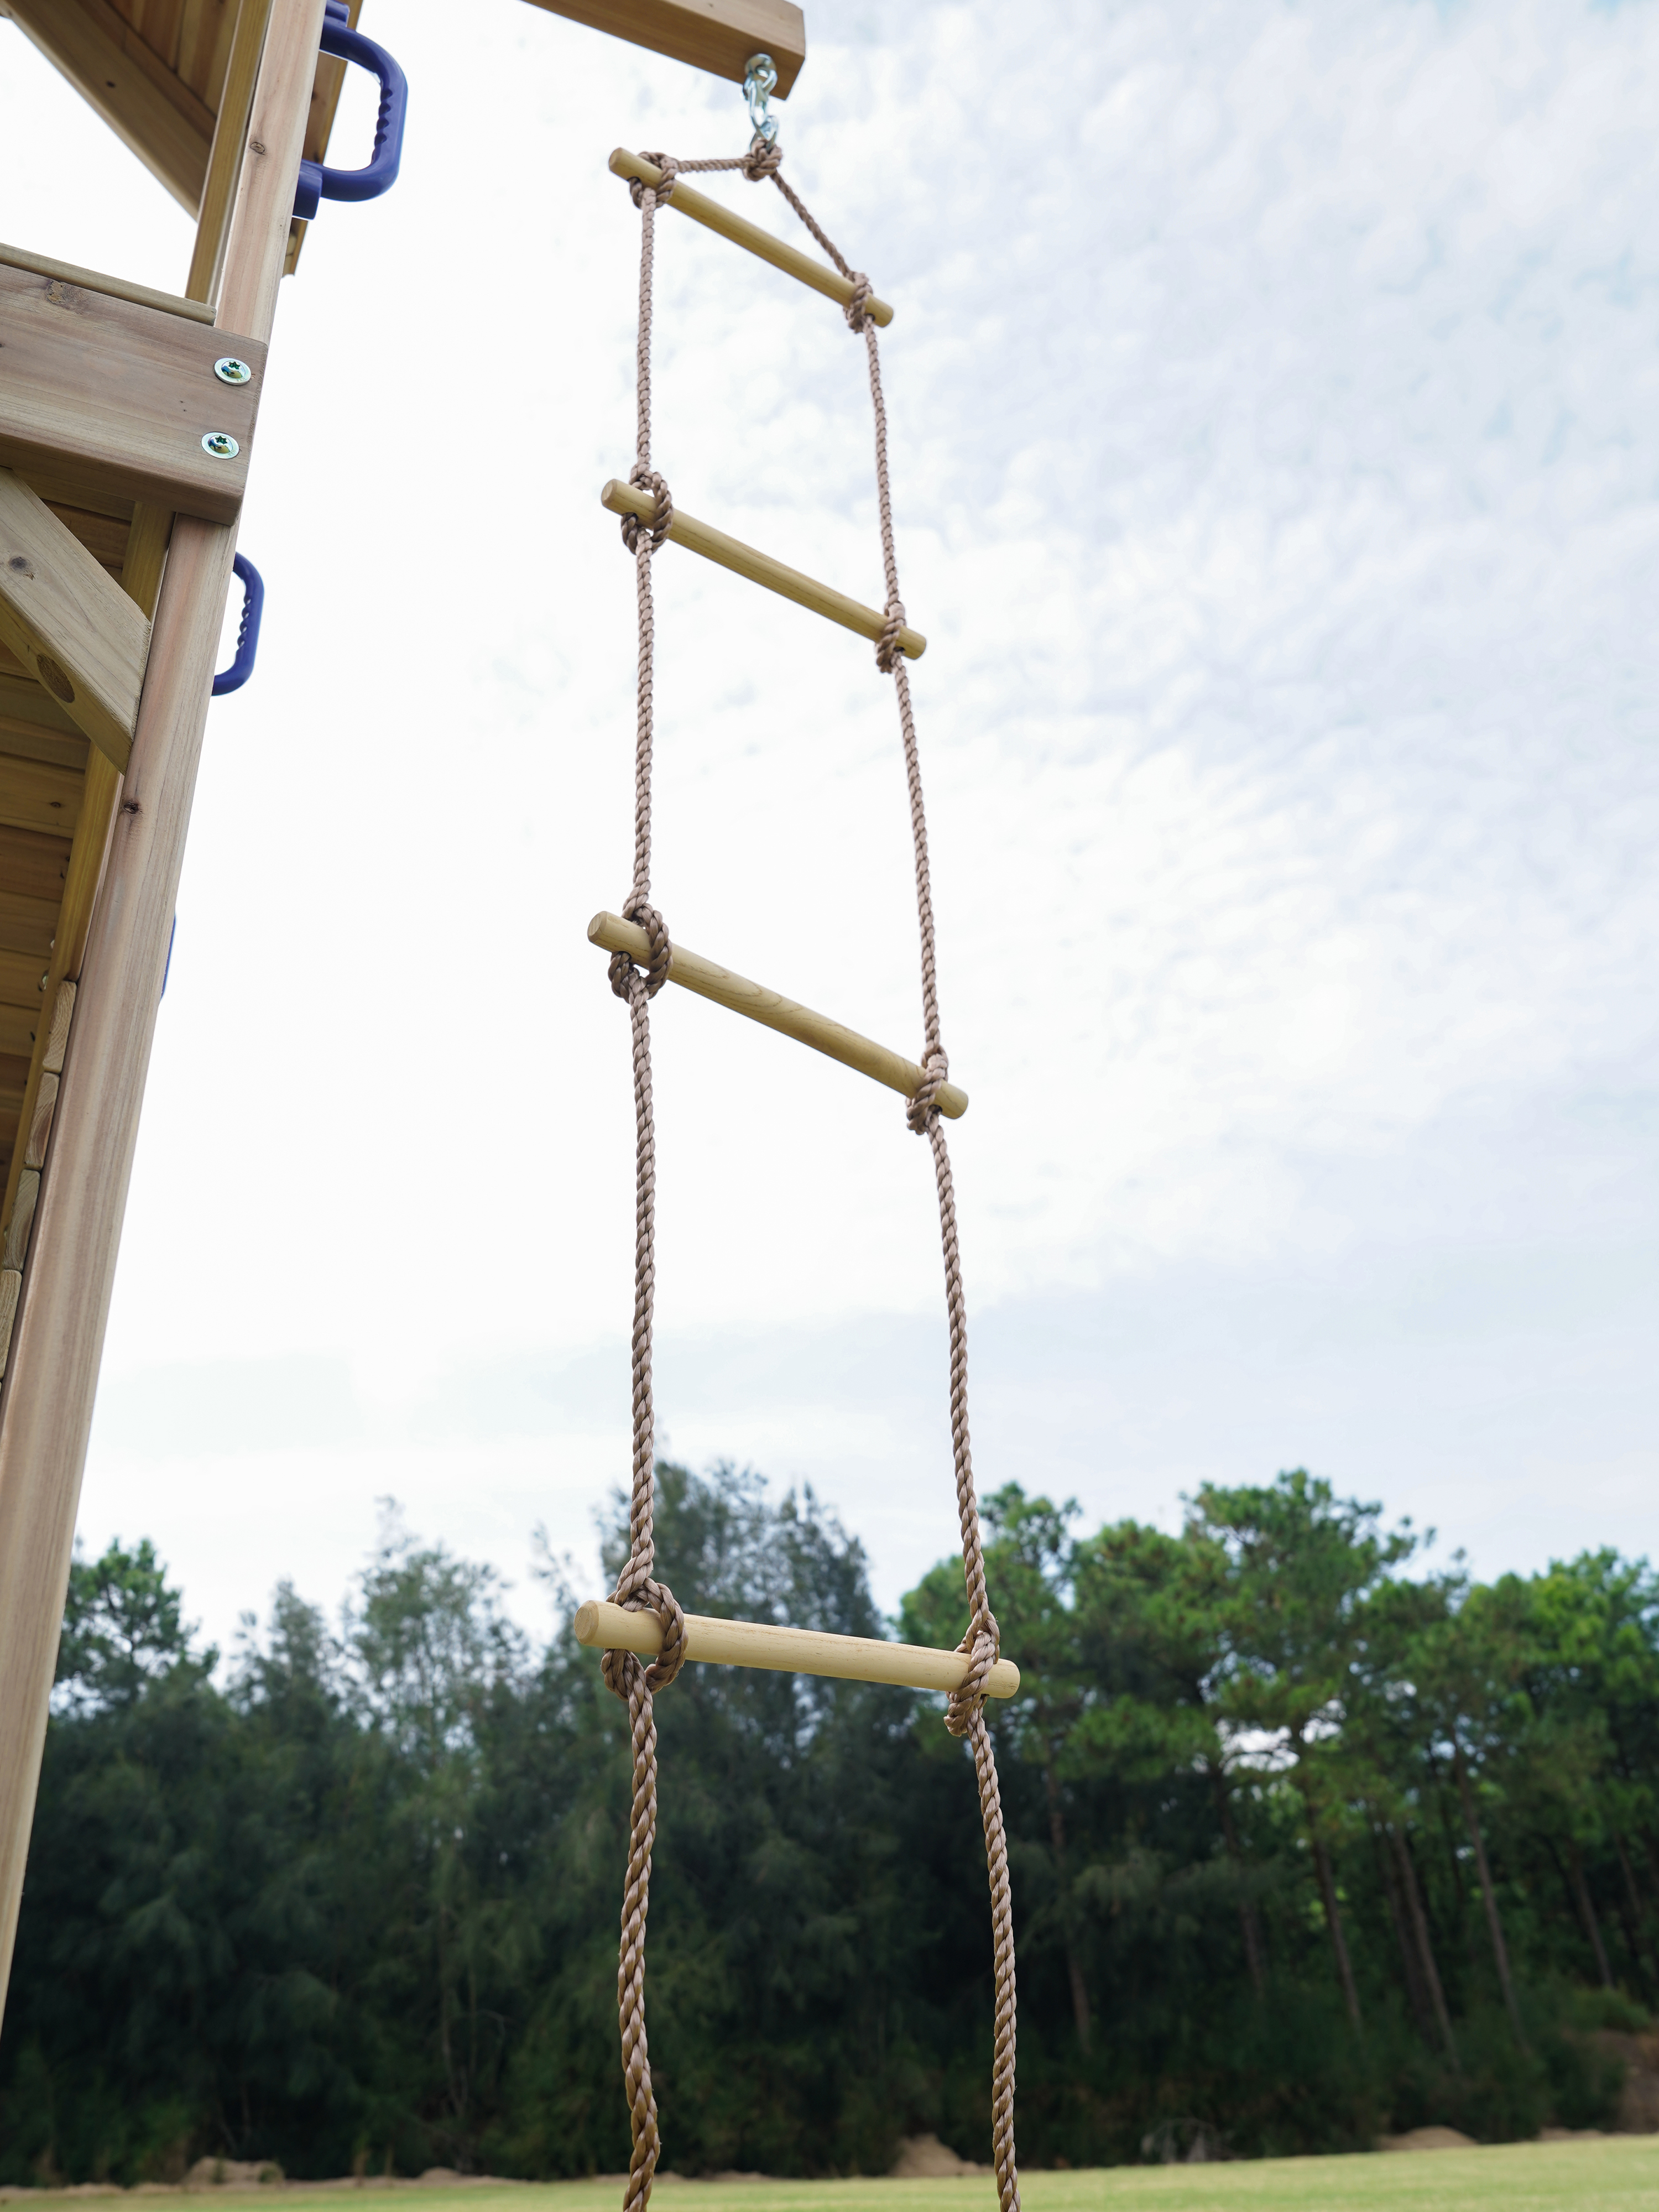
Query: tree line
[{"x": 1308, "y": 1841}]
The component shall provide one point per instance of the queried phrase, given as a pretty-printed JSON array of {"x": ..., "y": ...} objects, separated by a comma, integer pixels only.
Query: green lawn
[{"x": 1618, "y": 2175}]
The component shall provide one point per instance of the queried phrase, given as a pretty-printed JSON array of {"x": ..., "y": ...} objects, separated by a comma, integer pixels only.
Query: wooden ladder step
[
  {"x": 693, "y": 973},
  {"x": 750, "y": 235},
  {"x": 605, "y": 1627},
  {"x": 620, "y": 498}
]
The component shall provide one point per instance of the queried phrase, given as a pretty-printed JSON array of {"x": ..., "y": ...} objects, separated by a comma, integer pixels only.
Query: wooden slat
[
  {"x": 602, "y": 1627},
  {"x": 14, "y": 1080},
  {"x": 20, "y": 1029},
  {"x": 41, "y": 741},
  {"x": 229, "y": 139},
  {"x": 33, "y": 866},
  {"x": 775, "y": 1011},
  {"x": 112, "y": 68},
  {"x": 98, "y": 393},
  {"x": 716, "y": 35},
  {"x": 205, "y": 30},
  {"x": 112, "y": 288},
  {"x": 620, "y": 498},
  {"x": 25, "y": 705},
  {"x": 33, "y": 796},
  {"x": 714, "y": 214},
  {"x": 103, "y": 536},
  {"x": 27, "y": 924},
  {"x": 70, "y": 622},
  {"x": 22, "y": 982}
]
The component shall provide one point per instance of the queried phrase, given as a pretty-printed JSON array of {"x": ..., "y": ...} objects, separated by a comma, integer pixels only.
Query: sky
[{"x": 1274, "y": 395}]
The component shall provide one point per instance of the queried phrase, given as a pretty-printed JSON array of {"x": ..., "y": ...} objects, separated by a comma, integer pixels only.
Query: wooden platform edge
[{"x": 718, "y": 36}]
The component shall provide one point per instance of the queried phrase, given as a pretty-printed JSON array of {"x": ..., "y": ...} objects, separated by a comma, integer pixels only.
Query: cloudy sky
[{"x": 1275, "y": 402}]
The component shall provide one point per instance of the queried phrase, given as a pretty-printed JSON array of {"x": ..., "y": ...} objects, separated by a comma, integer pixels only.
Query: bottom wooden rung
[{"x": 607, "y": 1627}]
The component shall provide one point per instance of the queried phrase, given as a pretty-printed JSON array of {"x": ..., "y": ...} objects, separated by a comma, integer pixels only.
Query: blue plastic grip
[
  {"x": 247, "y": 637},
  {"x": 316, "y": 183}
]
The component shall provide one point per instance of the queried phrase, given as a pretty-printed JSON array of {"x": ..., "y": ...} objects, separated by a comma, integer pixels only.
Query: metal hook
[{"x": 760, "y": 82}]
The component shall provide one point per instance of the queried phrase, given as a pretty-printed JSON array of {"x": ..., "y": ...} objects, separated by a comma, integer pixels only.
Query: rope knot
[
  {"x": 761, "y": 160},
  {"x": 923, "y": 1103},
  {"x": 857, "y": 320},
  {"x": 635, "y": 530},
  {"x": 983, "y": 1645},
  {"x": 887, "y": 644},
  {"x": 637, "y": 1592},
  {"x": 621, "y": 969},
  {"x": 638, "y": 188}
]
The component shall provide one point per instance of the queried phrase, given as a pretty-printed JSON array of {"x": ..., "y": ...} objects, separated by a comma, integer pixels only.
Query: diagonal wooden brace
[{"x": 67, "y": 619}]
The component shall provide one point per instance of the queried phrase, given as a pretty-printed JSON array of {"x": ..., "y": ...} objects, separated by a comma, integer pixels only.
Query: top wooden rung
[{"x": 716, "y": 35}]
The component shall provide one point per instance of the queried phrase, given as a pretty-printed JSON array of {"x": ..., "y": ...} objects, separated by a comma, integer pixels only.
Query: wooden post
[{"x": 52, "y": 1378}]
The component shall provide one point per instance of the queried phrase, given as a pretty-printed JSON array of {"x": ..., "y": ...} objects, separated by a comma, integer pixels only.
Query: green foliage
[{"x": 353, "y": 1899}]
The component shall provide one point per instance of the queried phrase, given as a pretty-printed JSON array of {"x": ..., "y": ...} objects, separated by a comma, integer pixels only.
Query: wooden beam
[
  {"x": 602, "y": 1627},
  {"x": 101, "y": 396},
  {"x": 34, "y": 795},
  {"x": 67, "y": 619},
  {"x": 714, "y": 214},
  {"x": 716, "y": 35},
  {"x": 224, "y": 167},
  {"x": 774, "y": 1012},
  {"x": 46, "y": 1411},
  {"x": 112, "y": 287},
  {"x": 620, "y": 498},
  {"x": 147, "y": 105}
]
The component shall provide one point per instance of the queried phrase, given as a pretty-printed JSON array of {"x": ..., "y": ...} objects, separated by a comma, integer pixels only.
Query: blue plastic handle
[
  {"x": 316, "y": 183},
  {"x": 247, "y": 637}
]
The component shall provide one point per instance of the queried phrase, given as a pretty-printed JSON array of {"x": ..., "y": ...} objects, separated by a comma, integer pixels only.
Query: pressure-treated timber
[
  {"x": 716, "y": 35},
  {"x": 620, "y": 498},
  {"x": 66, "y": 619},
  {"x": 168, "y": 125},
  {"x": 104, "y": 395},
  {"x": 52, "y": 1376},
  {"x": 606, "y": 1627},
  {"x": 247, "y": 41},
  {"x": 715, "y": 216},
  {"x": 112, "y": 287},
  {"x": 694, "y": 972}
]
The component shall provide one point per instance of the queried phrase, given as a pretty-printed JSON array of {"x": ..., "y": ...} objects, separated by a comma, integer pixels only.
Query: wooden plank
[
  {"x": 27, "y": 708},
  {"x": 111, "y": 287},
  {"x": 45, "y": 1101},
  {"x": 110, "y": 65},
  {"x": 58, "y": 1037},
  {"x": 14, "y": 1075},
  {"x": 716, "y": 35},
  {"x": 19, "y": 1030},
  {"x": 27, "y": 924},
  {"x": 714, "y": 214},
  {"x": 52, "y": 1376},
  {"x": 33, "y": 795},
  {"x": 106, "y": 395},
  {"x": 10, "y": 1283},
  {"x": 68, "y": 621},
  {"x": 694, "y": 972},
  {"x": 14, "y": 1250},
  {"x": 602, "y": 1627},
  {"x": 23, "y": 982},
  {"x": 34, "y": 866},
  {"x": 104, "y": 537},
  {"x": 224, "y": 167},
  {"x": 620, "y": 498}
]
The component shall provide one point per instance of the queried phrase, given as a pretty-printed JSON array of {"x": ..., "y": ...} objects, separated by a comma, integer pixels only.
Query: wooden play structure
[{"x": 128, "y": 421}]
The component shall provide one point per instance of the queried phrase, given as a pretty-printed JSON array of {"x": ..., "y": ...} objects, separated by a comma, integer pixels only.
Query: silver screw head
[
  {"x": 229, "y": 370},
  {"x": 220, "y": 445}
]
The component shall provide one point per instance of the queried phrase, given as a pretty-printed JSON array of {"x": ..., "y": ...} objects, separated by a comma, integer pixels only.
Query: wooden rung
[
  {"x": 741, "y": 232},
  {"x": 606, "y": 1627},
  {"x": 696, "y": 974},
  {"x": 620, "y": 498}
]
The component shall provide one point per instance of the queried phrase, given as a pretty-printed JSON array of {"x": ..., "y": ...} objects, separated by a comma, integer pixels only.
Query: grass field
[{"x": 1619, "y": 2174}]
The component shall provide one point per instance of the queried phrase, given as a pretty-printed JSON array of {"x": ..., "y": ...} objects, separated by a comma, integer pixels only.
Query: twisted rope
[
  {"x": 637, "y": 1587},
  {"x": 965, "y": 1709}
]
